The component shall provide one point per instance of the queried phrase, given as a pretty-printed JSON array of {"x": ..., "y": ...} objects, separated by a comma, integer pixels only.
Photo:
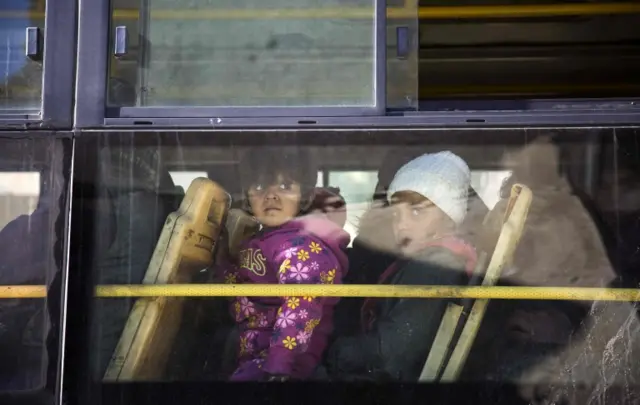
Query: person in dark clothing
[
  {"x": 374, "y": 248},
  {"x": 428, "y": 198}
]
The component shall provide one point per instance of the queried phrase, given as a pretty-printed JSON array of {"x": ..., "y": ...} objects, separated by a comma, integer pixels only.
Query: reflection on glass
[
  {"x": 184, "y": 178},
  {"x": 356, "y": 187},
  {"x": 565, "y": 243},
  {"x": 488, "y": 184},
  {"x": 20, "y": 76},
  {"x": 271, "y": 53},
  {"x": 30, "y": 255}
]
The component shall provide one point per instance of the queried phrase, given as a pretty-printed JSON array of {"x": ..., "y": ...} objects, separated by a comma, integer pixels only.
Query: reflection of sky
[
  {"x": 487, "y": 184},
  {"x": 184, "y": 178},
  {"x": 12, "y": 35},
  {"x": 20, "y": 183},
  {"x": 357, "y": 188}
]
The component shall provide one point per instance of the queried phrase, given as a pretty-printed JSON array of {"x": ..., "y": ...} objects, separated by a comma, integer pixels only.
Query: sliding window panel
[
  {"x": 36, "y": 63},
  {"x": 219, "y": 59}
]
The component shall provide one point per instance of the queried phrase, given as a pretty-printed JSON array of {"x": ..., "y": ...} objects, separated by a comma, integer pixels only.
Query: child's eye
[
  {"x": 258, "y": 187},
  {"x": 285, "y": 186},
  {"x": 415, "y": 212}
]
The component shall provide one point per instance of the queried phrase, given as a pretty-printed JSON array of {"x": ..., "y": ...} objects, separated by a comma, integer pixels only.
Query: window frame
[
  {"x": 58, "y": 70},
  {"x": 91, "y": 110}
]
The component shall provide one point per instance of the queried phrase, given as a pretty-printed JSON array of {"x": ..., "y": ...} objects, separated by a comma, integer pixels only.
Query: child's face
[
  {"x": 275, "y": 204},
  {"x": 415, "y": 220}
]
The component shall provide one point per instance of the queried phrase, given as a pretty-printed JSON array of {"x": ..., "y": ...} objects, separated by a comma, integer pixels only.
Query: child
[
  {"x": 284, "y": 337},
  {"x": 428, "y": 197}
]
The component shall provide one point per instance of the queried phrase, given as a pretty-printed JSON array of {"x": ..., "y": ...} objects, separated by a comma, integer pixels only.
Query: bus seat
[
  {"x": 240, "y": 226},
  {"x": 186, "y": 245},
  {"x": 464, "y": 319}
]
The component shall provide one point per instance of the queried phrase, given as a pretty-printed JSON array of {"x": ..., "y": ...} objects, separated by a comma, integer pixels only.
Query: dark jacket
[{"x": 398, "y": 332}]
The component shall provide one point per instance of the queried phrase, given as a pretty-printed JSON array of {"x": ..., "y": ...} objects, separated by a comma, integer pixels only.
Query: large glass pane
[
  {"x": 435, "y": 217},
  {"x": 257, "y": 53},
  {"x": 33, "y": 187},
  {"x": 20, "y": 74}
]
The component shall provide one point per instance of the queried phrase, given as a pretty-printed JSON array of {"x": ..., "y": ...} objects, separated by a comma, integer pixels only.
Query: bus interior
[{"x": 115, "y": 151}]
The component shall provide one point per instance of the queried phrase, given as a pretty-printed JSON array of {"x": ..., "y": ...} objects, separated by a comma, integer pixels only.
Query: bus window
[
  {"x": 184, "y": 178},
  {"x": 487, "y": 183},
  {"x": 542, "y": 49},
  {"x": 257, "y": 54},
  {"x": 20, "y": 192},
  {"x": 32, "y": 233},
  {"x": 421, "y": 237},
  {"x": 357, "y": 188},
  {"x": 20, "y": 75}
]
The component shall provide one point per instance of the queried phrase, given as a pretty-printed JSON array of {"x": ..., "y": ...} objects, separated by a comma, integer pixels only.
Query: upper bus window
[
  {"x": 255, "y": 54},
  {"x": 504, "y": 49},
  {"x": 447, "y": 197},
  {"x": 21, "y": 30}
]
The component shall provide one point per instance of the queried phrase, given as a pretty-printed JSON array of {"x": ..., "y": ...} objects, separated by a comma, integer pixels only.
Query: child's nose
[
  {"x": 402, "y": 220},
  {"x": 272, "y": 193}
]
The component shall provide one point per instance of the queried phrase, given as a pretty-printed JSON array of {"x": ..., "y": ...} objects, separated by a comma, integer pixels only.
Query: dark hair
[{"x": 265, "y": 163}]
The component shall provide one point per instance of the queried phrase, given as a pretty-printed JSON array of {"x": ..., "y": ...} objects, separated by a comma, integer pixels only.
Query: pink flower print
[
  {"x": 246, "y": 306},
  {"x": 299, "y": 272},
  {"x": 250, "y": 334},
  {"x": 291, "y": 252},
  {"x": 303, "y": 314},
  {"x": 303, "y": 337},
  {"x": 262, "y": 321},
  {"x": 285, "y": 319},
  {"x": 314, "y": 266},
  {"x": 248, "y": 347}
]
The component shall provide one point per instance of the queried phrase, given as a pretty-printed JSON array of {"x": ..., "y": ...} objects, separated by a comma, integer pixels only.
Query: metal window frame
[
  {"x": 588, "y": 115},
  {"x": 58, "y": 69},
  {"x": 91, "y": 109},
  {"x": 91, "y": 96}
]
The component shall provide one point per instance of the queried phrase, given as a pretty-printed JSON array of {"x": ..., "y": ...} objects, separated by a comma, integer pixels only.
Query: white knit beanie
[{"x": 442, "y": 177}]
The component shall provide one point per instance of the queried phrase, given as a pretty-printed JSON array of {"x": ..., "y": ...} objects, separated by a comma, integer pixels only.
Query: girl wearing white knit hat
[
  {"x": 429, "y": 199},
  {"x": 429, "y": 196}
]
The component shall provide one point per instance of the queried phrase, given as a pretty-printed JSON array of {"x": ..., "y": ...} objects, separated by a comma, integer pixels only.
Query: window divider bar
[
  {"x": 93, "y": 48},
  {"x": 59, "y": 62}
]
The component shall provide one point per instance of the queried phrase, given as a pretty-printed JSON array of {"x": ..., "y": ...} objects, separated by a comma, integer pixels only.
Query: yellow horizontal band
[
  {"x": 383, "y": 291},
  {"x": 426, "y": 13}
]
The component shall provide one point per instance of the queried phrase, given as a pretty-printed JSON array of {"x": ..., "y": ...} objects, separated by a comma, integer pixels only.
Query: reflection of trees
[{"x": 21, "y": 81}]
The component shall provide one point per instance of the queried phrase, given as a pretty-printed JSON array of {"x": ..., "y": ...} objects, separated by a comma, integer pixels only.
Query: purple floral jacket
[{"x": 287, "y": 335}]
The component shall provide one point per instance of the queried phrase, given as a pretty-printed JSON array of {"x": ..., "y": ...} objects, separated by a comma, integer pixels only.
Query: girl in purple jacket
[{"x": 284, "y": 337}]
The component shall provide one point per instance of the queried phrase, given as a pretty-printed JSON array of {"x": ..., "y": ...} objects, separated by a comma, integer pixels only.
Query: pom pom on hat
[{"x": 442, "y": 177}]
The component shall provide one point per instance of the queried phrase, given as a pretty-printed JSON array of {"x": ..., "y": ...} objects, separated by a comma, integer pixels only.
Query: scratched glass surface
[
  {"x": 32, "y": 202},
  {"x": 580, "y": 232}
]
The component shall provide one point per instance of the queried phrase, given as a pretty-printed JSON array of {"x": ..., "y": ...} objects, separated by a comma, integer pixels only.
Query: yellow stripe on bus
[
  {"x": 383, "y": 291},
  {"x": 426, "y": 13}
]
